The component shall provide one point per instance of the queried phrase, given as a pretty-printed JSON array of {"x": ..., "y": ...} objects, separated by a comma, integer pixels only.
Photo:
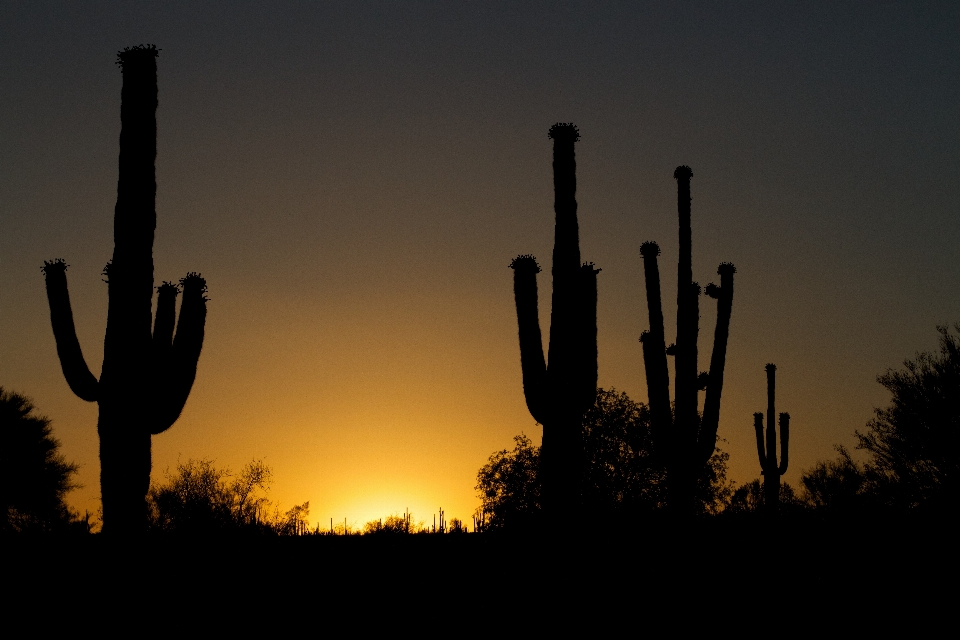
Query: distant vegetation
[{"x": 201, "y": 499}]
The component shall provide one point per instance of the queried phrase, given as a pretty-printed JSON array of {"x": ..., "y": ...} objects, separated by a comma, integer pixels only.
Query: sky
[{"x": 353, "y": 179}]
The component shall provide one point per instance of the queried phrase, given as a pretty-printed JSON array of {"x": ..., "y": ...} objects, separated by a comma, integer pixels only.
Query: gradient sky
[{"x": 354, "y": 178}]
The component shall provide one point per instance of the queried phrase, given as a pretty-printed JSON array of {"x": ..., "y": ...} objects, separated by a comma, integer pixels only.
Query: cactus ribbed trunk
[
  {"x": 561, "y": 387},
  {"x": 684, "y": 440},
  {"x": 147, "y": 373},
  {"x": 767, "y": 452}
]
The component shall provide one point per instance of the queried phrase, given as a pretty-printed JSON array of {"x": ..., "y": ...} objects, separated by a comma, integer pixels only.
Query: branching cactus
[
  {"x": 147, "y": 371},
  {"x": 685, "y": 438},
  {"x": 768, "y": 456},
  {"x": 560, "y": 388}
]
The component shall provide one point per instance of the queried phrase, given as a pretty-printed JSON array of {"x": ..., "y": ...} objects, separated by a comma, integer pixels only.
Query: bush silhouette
[
  {"x": 751, "y": 498},
  {"x": 684, "y": 438},
  {"x": 199, "y": 498},
  {"x": 34, "y": 476},
  {"x": 561, "y": 387},
  {"x": 147, "y": 372},
  {"x": 622, "y": 477}
]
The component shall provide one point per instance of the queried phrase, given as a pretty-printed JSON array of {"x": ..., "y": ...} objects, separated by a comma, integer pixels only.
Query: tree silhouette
[
  {"x": 34, "y": 476},
  {"x": 768, "y": 454},
  {"x": 509, "y": 486},
  {"x": 622, "y": 477},
  {"x": 561, "y": 387},
  {"x": 146, "y": 375},
  {"x": 684, "y": 438},
  {"x": 915, "y": 442}
]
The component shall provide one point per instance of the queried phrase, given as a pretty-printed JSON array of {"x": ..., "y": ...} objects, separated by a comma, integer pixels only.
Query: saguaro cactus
[
  {"x": 684, "y": 438},
  {"x": 561, "y": 388},
  {"x": 768, "y": 458},
  {"x": 146, "y": 375}
]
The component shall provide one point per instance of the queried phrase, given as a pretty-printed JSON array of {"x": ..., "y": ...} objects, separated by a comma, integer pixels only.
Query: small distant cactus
[
  {"x": 768, "y": 455},
  {"x": 147, "y": 372},
  {"x": 560, "y": 388},
  {"x": 683, "y": 437}
]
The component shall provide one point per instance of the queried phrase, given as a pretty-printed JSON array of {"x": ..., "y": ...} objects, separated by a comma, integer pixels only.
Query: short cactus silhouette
[
  {"x": 146, "y": 375},
  {"x": 768, "y": 458},
  {"x": 560, "y": 388},
  {"x": 683, "y": 437}
]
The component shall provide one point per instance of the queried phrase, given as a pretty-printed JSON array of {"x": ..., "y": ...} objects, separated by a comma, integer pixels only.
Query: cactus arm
[
  {"x": 75, "y": 370},
  {"x": 758, "y": 427},
  {"x": 181, "y": 370},
  {"x": 588, "y": 335},
  {"x": 784, "y": 441},
  {"x": 711, "y": 404},
  {"x": 654, "y": 347},
  {"x": 532, "y": 363},
  {"x": 165, "y": 318}
]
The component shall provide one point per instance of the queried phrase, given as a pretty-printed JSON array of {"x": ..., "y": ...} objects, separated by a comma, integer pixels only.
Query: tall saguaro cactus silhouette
[
  {"x": 685, "y": 439},
  {"x": 146, "y": 375},
  {"x": 768, "y": 458},
  {"x": 561, "y": 388}
]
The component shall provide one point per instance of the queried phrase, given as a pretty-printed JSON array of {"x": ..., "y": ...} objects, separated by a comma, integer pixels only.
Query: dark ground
[{"x": 852, "y": 576}]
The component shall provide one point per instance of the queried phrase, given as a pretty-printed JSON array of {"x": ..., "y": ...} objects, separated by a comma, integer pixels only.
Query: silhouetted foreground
[
  {"x": 683, "y": 437},
  {"x": 841, "y": 575},
  {"x": 146, "y": 375},
  {"x": 561, "y": 388}
]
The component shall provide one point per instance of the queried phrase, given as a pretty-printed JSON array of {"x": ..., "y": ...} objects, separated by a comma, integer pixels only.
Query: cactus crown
[
  {"x": 51, "y": 266},
  {"x": 167, "y": 286},
  {"x": 591, "y": 267},
  {"x": 131, "y": 53},
  {"x": 770, "y": 367},
  {"x": 525, "y": 262},
  {"x": 194, "y": 280},
  {"x": 564, "y": 131},
  {"x": 683, "y": 171},
  {"x": 650, "y": 249},
  {"x": 726, "y": 268}
]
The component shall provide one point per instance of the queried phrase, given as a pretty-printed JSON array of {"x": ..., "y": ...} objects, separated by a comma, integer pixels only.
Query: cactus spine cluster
[
  {"x": 684, "y": 438},
  {"x": 768, "y": 455},
  {"x": 147, "y": 372},
  {"x": 560, "y": 388}
]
